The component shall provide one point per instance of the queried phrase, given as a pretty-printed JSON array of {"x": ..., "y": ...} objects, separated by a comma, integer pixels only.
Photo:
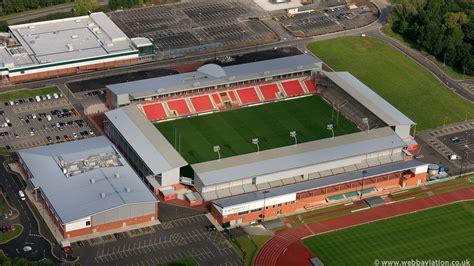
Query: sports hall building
[
  {"x": 67, "y": 46},
  {"x": 87, "y": 186}
]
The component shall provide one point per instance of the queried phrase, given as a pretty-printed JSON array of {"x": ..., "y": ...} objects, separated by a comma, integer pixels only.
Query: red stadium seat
[
  {"x": 202, "y": 103},
  {"x": 154, "y": 111},
  {"x": 232, "y": 96},
  {"x": 310, "y": 85},
  {"x": 292, "y": 88},
  {"x": 248, "y": 95},
  {"x": 216, "y": 98},
  {"x": 269, "y": 91},
  {"x": 180, "y": 106}
]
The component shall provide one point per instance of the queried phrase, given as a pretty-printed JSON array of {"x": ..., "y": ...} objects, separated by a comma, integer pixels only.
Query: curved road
[{"x": 30, "y": 235}]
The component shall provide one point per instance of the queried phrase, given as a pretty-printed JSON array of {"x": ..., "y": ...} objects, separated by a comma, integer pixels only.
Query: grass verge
[
  {"x": 26, "y": 93},
  {"x": 7, "y": 236},
  {"x": 248, "y": 246},
  {"x": 395, "y": 77}
]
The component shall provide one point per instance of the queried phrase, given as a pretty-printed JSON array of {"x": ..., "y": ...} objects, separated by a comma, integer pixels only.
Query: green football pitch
[
  {"x": 271, "y": 123},
  {"x": 443, "y": 233}
]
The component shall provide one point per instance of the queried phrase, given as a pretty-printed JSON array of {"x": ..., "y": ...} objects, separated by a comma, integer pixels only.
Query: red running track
[
  {"x": 269, "y": 91},
  {"x": 275, "y": 251},
  {"x": 154, "y": 111},
  {"x": 180, "y": 106}
]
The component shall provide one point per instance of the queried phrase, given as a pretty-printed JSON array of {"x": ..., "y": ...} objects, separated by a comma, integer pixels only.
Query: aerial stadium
[{"x": 264, "y": 139}]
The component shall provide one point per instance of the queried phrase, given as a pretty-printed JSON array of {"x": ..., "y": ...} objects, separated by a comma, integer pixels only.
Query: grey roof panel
[
  {"x": 367, "y": 97},
  {"x": 319, "y": 183},
  {"x": 291, "y": 157},
  {"x": 146, "y": 140},
  {"x": 214, "y": 75},
  {"x": 75, "y": 197}
]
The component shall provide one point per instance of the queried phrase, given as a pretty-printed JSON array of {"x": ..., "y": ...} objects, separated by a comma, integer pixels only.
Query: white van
[
  {"x": 38, "y": 99},
  {"x": 48, "y": 117},
  {"x": 22, "y": 195}
]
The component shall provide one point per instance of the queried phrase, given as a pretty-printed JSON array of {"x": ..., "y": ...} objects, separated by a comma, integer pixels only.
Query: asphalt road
[{"x": 30, "y": 236}]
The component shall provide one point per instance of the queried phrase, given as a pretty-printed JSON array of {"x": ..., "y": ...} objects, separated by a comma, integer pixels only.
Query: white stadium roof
[
  {"x": 367, "y": 97},
  {"x": 291, "y": 157}
]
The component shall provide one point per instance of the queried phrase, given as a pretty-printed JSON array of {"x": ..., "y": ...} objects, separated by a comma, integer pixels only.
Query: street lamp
[
  {"x": 217, "y": 149},
  {"x": 362, "y": 187},
  {"x": 255, "y": 141},
  {"x": 263, "y": 209},
  {"x": 293, "y": 135},
  {"x": 444, "y": 121},
  {"x": 330, "y": 127},
  {"x": 365, "y": 120}
]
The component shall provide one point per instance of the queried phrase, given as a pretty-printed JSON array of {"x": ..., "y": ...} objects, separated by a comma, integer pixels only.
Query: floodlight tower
[
  {"x": 293, "y": 135},
  {"x": 255, "y": 141},
  {"x": 365, "y": 120},
  {"x": 330, "y": 127},
  {"x": 217, "y": 149}
]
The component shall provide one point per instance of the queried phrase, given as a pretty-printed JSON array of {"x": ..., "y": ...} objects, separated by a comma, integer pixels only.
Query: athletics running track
[{"x": 285, "y": 248}]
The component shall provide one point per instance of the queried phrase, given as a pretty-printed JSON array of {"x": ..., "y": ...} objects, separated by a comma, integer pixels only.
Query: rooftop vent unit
[
  {"x": 74, "y": 36},
  {"x": 32, "y": 26},
  {"x": 232, "y": 78},
  {"x": 69, "y": 47},
  {"x": 299, "y": 67},
  {"x": 128, "y": 190},
  {"x": 92, "y": 180},
  {"x": 266, "y": 72},
  {"x": 77, "y": 20},
  {"x": 102, "y": 195},
  {"x": 116, "y": 175},
  {"x": 91, "y": 25},
  {"x": 197, "y": 83}
]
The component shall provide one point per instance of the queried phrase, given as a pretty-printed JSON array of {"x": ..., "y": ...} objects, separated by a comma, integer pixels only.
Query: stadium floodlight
[
  {"x": 330, "y": 127},
  {"x": 217, "y": 149},
  {"x": 255, "y": 141},
  {"x": 365, "y": 120},
  {"x": 293, "y": 135}
]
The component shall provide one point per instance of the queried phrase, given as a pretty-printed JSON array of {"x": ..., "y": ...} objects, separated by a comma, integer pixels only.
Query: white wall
[
  {"x": 403, "y": 131},
  {"x": 421, "y": 169},
  {"x": 170, "y": 177},
  {"x": 258, "y": 204},
  {"x": 78, "y": 224}
]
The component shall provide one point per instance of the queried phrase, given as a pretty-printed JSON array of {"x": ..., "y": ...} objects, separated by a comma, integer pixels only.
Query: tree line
[
  {"x": 443, "y": 28},
  {"x": 15, "y": 6}
]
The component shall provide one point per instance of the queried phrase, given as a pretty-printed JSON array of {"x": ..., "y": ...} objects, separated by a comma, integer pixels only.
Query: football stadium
[{"x": 264, "y": 139}]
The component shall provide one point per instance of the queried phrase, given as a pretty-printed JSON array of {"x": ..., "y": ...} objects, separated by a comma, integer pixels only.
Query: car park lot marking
[{"x": 187, "y": 237}]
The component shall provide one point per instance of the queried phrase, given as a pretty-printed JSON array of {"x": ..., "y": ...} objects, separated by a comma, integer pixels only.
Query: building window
[
  {"x": 88, "y": 223},
  {"x": 242, "y": 213},
  {"x": 256, "y": 210},
  {"x": 279, "y": 205}
]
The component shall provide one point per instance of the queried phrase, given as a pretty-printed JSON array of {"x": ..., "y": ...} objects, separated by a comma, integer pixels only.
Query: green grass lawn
[
  {"x": 26, "y": 93},
  {"x": 5, "y": 237},
  {"x": 247, "y": 246},
  {"x": 395, "y": 77},
  {"x": 4, "y": 151},
  {"x": 450, "y": 71},
  {"x": 439, "y": 233},
  {"x": 271, "y": 123}
]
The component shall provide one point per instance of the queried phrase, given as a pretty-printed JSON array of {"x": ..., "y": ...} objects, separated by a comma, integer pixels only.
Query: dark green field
[
  {"x": 443, "y": 233},
  {"x": 271, "y": 123}
]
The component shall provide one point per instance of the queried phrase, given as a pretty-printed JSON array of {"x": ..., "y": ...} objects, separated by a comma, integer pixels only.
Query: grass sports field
[
  {"x": 271, "y": 123},
  {"x": 395, "y": 77},
  {"x": 439, "y": 233}
]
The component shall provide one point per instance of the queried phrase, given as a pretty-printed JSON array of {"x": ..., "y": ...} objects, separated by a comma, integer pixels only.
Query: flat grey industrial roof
[
  {"x": 291, "y": 157},
  {"x": 367, "y": 97},
  {"x": 319, "y": 183},
  {"x": 215, "y": 75},
  {"x": 66, "y": 39},
  {"x": 75, "y": 197},
  {"x": 147, "y": 141}
]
